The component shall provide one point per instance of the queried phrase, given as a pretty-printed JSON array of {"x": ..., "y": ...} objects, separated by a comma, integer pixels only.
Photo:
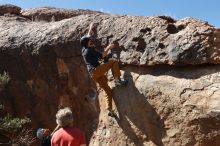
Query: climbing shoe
[{"x": 121, "y": 82}]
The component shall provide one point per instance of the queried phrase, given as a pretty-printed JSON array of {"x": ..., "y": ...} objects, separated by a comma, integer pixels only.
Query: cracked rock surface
[{"x": 172, "y": 67}]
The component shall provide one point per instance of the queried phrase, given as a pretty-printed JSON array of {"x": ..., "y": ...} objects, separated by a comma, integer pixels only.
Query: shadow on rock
[
  {"x": 138, "y": 119},
  {"x": 185, "y": 72}
]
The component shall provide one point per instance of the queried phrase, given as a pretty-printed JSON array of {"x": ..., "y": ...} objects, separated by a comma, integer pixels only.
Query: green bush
[
  {"x": 12, "y": 127},
  {"x": 15, "y": 129},
  {"x": 8, "y": 122}
]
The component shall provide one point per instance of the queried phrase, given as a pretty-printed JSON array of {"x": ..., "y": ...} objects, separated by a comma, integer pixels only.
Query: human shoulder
[
  {"x": 77, "y": 130},
  {"x": 58, "y": 132}
]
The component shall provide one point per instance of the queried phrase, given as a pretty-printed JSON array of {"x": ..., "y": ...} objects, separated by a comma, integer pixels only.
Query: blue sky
[{"x": 207, "y": 10}]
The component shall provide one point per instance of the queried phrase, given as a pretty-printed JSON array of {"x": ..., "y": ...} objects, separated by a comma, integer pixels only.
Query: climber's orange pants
[{"x": 98, "y": 75}]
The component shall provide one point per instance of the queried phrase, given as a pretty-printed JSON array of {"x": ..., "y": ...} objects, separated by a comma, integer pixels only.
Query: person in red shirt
[{"x": 67, "y": 135}]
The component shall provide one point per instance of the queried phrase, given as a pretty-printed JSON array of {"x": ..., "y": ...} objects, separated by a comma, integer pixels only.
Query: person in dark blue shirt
[
  {"x": 98, "y": 71},
  {"x": 44, "y": 136}
]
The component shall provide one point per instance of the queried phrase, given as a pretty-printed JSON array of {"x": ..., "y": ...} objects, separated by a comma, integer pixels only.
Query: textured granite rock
[
  {"x": 53, "y": 14},
  {"x": 9, "y": 9},
  {"x": 172, "y": 67}
]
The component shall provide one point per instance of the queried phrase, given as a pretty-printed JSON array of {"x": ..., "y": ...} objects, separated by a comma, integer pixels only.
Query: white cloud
[
  {"x": 104, "y": 11},
  {"x": 171, "y": 15}
]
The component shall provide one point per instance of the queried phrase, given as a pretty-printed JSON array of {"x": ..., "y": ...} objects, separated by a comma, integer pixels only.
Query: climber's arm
[
  {"x": 109, "y": 47},
  {"x": 92, "y": 28}
]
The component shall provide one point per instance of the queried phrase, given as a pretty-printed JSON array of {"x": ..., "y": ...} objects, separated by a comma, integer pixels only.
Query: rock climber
[{"x": 97, "y": 70}]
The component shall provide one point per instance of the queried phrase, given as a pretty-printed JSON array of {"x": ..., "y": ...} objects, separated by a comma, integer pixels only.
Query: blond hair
[{"x": 64, "y": 117}]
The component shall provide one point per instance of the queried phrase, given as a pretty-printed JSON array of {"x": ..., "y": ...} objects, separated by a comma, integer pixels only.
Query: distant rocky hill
[{"x": 173, "y": 95}]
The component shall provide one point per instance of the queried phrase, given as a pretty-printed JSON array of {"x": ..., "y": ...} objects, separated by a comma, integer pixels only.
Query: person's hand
[
  {"x": 111, "y": 46},
  {"x": 114, "y": 44},
  {"x": 92, "y": 29},
  {"x": 93, "y": 26}
]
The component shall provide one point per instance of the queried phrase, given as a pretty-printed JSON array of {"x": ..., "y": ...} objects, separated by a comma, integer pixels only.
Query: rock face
[
  {"x": 172, "y": 67},
  {"x": 167, "y": 106},
  {"x": 9, "y": 9},
  {"x": 53, "y": 14}
]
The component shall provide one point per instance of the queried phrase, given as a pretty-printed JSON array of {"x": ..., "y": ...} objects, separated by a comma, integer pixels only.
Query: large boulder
[
  {"x": 45, "y": 75},
  {"x": 158, "y": 40},
  {"x": 53, "y": 14},
  {"x": 9, "y": 9},
  {"x": 172, "y": 67},
  {"x": 163, "y": 106}
]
